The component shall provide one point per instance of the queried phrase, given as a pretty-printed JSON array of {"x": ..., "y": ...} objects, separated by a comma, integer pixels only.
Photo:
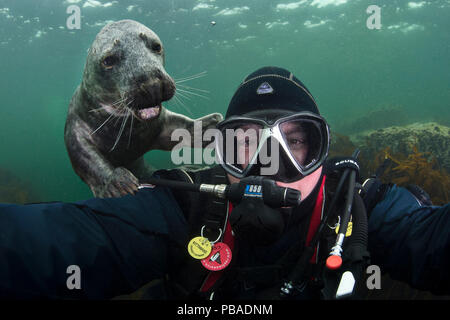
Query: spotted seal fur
[{"x": 116, "y": 116}]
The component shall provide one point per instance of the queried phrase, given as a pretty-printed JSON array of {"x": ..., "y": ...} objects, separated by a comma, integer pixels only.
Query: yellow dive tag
[
  {"x": 199, "y": 248},
  {"x": 349, "y": 229}
]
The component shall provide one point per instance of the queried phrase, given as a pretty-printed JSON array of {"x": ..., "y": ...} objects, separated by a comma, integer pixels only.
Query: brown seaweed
[
  {"x": 408, "y": 166},
  {"x": 419, "y": 168}
]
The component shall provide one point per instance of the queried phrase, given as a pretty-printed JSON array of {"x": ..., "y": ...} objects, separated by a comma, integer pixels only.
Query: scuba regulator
[{"x": 255, "y": 216}]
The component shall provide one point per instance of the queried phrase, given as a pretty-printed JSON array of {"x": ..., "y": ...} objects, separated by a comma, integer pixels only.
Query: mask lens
[
  {"x": 305, "y": 141},
  {"x": 252, "y": 147},
  {"x": 239, "y": 145}
]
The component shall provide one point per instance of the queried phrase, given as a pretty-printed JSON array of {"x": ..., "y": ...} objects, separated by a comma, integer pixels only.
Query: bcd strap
[
  {"x": 342, "y": 163},
  {"x": 215, "y": 209},
  {"x": 372, "y": 192},
  {"x": 200, "y": 210},
  {"x": 214, "y": 213},
  {"x": 421, "y": 195}
]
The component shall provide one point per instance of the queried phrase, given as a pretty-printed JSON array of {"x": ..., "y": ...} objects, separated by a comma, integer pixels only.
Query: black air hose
[
  {"x": 359, "y": 238},
  {"x": 356, "y": 253}
]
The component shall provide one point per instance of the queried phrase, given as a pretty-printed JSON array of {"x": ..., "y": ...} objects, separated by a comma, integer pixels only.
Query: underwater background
[{"x": 361, "y": 78}]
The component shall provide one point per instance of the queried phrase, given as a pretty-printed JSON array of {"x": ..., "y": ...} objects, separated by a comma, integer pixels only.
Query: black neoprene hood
[{"x": 271, "y": 88}]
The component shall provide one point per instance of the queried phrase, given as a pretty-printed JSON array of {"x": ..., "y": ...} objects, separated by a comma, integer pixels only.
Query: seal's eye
[
  {"x": 109, "y": 61},
  {"x": 156, "y": 47}
]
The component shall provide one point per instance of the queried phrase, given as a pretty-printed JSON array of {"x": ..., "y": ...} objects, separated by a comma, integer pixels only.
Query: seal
[{"x": 116, "y": 115}]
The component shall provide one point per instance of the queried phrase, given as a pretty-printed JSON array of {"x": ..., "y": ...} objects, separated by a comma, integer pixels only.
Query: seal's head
[{"x": 125, "y": 70}]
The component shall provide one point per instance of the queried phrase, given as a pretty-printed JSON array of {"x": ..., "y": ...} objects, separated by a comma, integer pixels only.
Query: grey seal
[{"x": 115, "y": 115}]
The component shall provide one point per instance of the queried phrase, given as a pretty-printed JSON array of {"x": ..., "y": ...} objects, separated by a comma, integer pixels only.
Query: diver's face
[
  {"x": 296, "y": 139},
  {"x": 247, "y": 137}
]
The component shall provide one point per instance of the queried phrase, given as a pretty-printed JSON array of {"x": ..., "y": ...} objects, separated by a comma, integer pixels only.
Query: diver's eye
[
  {"x": 109, "y": 61},
  {"x": 156, "y": 47},
  {"x": 296, "y": 141}
]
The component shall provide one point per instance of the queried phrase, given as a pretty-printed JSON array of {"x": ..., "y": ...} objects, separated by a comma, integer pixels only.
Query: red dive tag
[{"x": 219, "y": 258}]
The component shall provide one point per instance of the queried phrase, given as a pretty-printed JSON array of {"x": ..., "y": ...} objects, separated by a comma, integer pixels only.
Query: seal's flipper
[
  {"x": 120, "y": 183},
  {"x": 186, "y": 127}
]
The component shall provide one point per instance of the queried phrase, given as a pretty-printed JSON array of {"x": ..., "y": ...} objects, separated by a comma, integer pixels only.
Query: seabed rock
[
  {"x": 419, "y": 154},
  {"x": 429, "y": 138}
]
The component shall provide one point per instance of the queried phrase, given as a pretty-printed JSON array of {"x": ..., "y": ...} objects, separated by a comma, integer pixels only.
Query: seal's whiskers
[
  {"x": 111, "y": 115},
  {"x": 131, "y": 128},
  {"x": 119, "y": 113},
  {"x": 195, "y": 76},
  {"x": 182, "y": 95},
  {"x": 179, "y": 102},
  {"x": 119, "y": 101},
  {"x": 192, "y": 88},
  {"x": 104, "y": 107},
  {"x": 192, "y": 93},
  {"x": 97, "y": 109},
  {"x": 124, "y": 121},
  {"x": 187, "y": 92}
]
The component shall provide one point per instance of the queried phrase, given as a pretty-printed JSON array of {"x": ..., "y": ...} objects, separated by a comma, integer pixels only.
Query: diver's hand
[{"x": 120, "y": 183}]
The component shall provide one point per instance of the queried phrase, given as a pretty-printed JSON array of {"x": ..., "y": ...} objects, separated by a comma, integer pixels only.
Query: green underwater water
[{"x": 350, "y": 69}]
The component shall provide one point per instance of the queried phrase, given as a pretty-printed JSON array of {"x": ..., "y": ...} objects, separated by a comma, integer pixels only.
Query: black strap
[
  {"x": 200, "y": 210},
  {"x": 215, "y": 210},
  {"x": 421, "y": 195},
  {"x": 214, "y": 216},
  {"x": 342, "y": 163}
]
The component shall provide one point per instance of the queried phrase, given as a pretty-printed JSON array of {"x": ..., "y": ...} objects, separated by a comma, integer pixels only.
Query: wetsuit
[{"x": 120, "y": 244}]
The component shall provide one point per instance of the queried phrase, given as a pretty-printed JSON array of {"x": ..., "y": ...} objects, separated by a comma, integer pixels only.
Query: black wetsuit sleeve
[
  {"x": 411, "y": 241},
  {"x": 118, "y": 244}
]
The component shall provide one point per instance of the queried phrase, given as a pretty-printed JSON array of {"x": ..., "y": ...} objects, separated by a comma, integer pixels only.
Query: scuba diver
[{"x": 276, "y": 219}]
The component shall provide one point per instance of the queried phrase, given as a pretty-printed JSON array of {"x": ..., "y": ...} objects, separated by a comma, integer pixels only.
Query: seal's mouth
[{"x": 148, "y": 113}]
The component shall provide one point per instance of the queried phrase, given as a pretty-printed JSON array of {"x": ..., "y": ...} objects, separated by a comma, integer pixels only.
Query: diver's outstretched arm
[
  {"x": 411, "y": 241},
  {"x": 117, "y": 244}
]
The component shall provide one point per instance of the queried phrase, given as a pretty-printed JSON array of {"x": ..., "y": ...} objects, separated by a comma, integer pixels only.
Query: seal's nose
[
  {"x": 169, "y": 89},
  {"x": 154, "y": 87}
]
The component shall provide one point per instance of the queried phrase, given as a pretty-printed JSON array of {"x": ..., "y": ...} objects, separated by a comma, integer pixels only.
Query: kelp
[
  {"x": 419, "y": 168},
  {"x": 407, "y": 166}
]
